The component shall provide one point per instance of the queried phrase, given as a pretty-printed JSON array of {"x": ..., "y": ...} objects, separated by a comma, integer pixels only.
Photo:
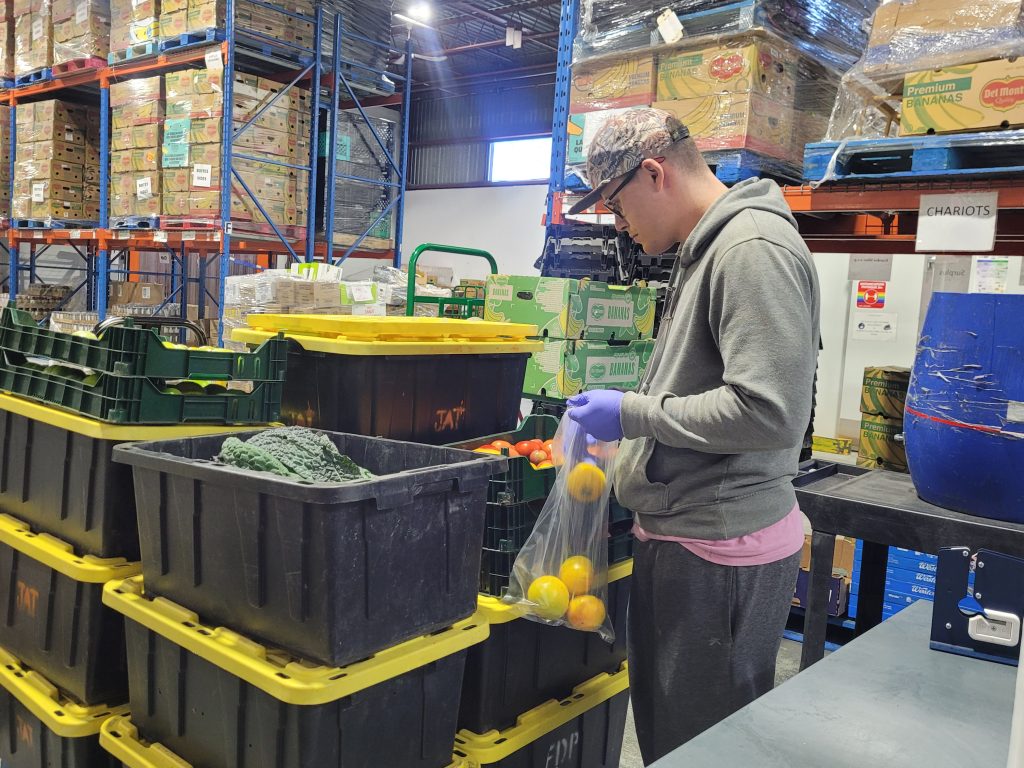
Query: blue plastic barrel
[{"x": 964, "y": 422}]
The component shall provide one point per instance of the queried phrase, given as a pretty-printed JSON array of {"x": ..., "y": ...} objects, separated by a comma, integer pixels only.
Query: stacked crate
[
  {"x": 33, "y": 36},
  {"x": 57, "y": 163},
  {"x": 7, "y": 41},
  {"x": 909, "y": 577},
  {"x": 882, "y": 403},
  {"x": 5, "y": 161},
  {"x": 338, "y": 641},
  {"x": 190, "y": 151},
  {"x": 133, "y": 23},
  {"x": 81, "y": 32},
  {"x": 136, "y": 121}
]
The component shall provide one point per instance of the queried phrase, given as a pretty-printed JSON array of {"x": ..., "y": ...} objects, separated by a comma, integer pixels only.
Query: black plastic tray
[
  {"x": 27, "y": 742},
  {"x": 330, "y": 572}
]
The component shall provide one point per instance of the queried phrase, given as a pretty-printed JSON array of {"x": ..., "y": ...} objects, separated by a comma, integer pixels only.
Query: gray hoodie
[{"x": 713, "y": 433}]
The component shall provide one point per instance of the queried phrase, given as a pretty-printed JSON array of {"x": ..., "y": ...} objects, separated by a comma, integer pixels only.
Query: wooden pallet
[
  {"x": 965, "y": 154},
  {"x": 78, "y": 65},
  {"x": 137, "y": 51}
]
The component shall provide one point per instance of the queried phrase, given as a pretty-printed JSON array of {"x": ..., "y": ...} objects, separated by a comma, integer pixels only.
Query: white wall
[{"x": 505, "y": 221}]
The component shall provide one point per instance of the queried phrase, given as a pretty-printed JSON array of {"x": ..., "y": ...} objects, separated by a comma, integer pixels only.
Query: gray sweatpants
[{"x": 703, "y": 639}]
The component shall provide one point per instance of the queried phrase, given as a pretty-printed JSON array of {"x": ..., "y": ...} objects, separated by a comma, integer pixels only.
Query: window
[{"x": 520, "y": 160}]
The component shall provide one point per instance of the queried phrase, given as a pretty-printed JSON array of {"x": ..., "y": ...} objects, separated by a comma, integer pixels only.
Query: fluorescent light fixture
[
  {"x": 410, "y": 21},
  {"x": 421, "y": 11}
]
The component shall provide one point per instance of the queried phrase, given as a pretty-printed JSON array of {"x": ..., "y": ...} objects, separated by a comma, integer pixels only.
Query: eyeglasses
[{"x": 609, "y": 202}]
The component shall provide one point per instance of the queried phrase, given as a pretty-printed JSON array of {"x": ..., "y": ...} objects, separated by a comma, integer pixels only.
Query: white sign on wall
[{"x": 957, "y": 223}]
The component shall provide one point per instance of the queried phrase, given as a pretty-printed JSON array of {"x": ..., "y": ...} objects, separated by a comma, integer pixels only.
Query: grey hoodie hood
[{"x": 714, "y": 431}]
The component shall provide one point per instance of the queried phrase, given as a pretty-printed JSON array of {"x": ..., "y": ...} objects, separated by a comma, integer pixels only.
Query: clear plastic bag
[{"x": 560, "y": 576}]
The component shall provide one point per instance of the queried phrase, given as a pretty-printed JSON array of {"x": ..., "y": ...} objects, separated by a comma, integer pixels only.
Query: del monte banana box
[
  {"x": 965, "y": 98},
  {"x": 572, "y": 309},
  {"x": 567, "y": 367},
  {"x": 884, "y": 392}
]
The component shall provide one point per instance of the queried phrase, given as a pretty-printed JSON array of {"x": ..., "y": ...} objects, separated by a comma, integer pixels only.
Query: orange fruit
[
  {"x": 577, "y": 573},
  {"x": 487, "y": 449},
  {"x": 585, "y": 482},
  {"x": 550, "y": 597},
  {"x": 586, "y": 612}
]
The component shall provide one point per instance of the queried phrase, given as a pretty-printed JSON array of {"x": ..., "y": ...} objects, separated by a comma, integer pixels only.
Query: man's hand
[{"x": 597, "y": 412}]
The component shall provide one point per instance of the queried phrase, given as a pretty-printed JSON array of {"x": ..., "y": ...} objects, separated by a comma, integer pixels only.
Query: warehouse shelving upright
[{"x": 195, "y": 256}]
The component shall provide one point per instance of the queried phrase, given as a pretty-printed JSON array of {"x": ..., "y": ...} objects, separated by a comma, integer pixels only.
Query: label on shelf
[
  {"x": 201, "y": 175},
  {"x": 38, "y": 191},
  {"x": 37, "y": 28},
  {"x": 214, "y": 63},
  {"x": 159, "y": 236},
  {"x": 144, "y": 188},
  {"x": 82, "y": 13},
  {"x": 74, "y": 234}
]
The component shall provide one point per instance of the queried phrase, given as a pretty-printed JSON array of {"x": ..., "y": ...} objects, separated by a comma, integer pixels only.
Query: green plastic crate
[
  {"x": 138, "y": 400},
  {"x": 126, "y": 350},
  {"x": 522, "y": 482}
]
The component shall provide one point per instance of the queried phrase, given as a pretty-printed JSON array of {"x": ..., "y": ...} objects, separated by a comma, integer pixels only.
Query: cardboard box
[
  {"x": 173, "y": 24},
  {"x": 173, "y": 6},
  {"x": 263, "y": 141},
  {"x": 53, "y": 150},
  {"x": 135, "y": 137},
  {"x": 175, "y": 203},
  {"x": 136, "y": 93},
  {"x": 143, "y": 294},
  {"x": 140, "y": 114},
  {"x": 759, "y": 67},
  {"x": 879, "y": 448},
  {"x": 918, "y": 21},
  {"x": 884, "y": 391},
  {"x": 842, "y": 558},
  {"x": 899, "y": 578},
  {"x": 135, "y": 194},
  {"x": 206, "y": 16},
  {"x": 49, "y": 170},
  {"x": 838, "y": 593},
  {"x": 131, "y": 160},
  {"x": 626, "y": 82},
  {"x": 51, "y": 130},
  {"x": 567, "y": 367},
  {"x": 571, "y": 309},
  {"x": 125, "y": 32},
  {"x": 739, "y": 121},
  {"x": 195, "y": 106},
  {"x": 964, "y": 98}
]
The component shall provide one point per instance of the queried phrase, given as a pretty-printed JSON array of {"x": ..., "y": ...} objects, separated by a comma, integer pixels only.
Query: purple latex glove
[{"x": 598, "y": 412}]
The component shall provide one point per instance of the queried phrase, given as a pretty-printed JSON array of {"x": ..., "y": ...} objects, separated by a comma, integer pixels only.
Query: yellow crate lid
[
  {"x": 100, "y": 430},
  {"x": 121, "y": 738},
  {"x": 59, "y": 555},
  {"x": 495, "y": 611},
  {"x": 286, "y": 678},
  {"x": 346, "y": 335},
  {"x": 39, "y": 696},
  {"x": 480, "y": 749}
]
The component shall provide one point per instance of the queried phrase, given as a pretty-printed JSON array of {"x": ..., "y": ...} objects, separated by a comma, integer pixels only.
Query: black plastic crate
[
  {"x": 330, "y": 572},
  {"x": 621, "y": 542},
  {"x": 432, "y": 399},
  {"x": 215, "y": 698},
  {"x": 55, "y": 620},
  {"x": 507, "y": 526},
  {"x": 57, "y": 475},
  {"x": 583, "y": 730},
  {"x": 522, "y": 482},
  {"x": 40, "y": 728},
  {"x": 525, "y": 663}
]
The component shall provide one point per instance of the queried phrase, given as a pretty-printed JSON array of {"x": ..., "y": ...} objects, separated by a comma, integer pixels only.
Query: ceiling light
[{"x": 421, "y": 11}]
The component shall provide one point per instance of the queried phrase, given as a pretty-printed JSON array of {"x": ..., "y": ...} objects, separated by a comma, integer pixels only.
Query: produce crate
[
  {"x": 522, "y": 482},
  {"x": 330, "y": 572},
  {"x": 525, "y": 663},
  {"x": 424, "y": 379},
  {"x": 134, "y": 399},
  {"x": 57, "y": 475},
  {"x": 584, "y": 730},
  {"x": 41, "y": 727},
  {"x": 126, "y": 350},
  {"x": 507, "y": 526},
  {"x": 215, "y": 698},
  {"x": 55, "y": 620},
  {"x": 621, "y": 541}
]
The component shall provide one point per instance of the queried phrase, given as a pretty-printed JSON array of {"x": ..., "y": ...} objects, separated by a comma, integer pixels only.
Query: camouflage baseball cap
[{"x": 625, "y": 141}]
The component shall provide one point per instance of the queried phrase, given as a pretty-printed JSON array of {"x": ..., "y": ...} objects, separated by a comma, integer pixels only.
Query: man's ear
[{"x": 656, "y": 171}]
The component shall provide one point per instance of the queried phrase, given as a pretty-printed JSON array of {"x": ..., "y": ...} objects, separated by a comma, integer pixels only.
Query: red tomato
[
  {"x": 524, "y": 448},
  {"x": 538, "y": 445},
  {"x": 537, "y": 457},
  {"x": 499, "y": 444}
]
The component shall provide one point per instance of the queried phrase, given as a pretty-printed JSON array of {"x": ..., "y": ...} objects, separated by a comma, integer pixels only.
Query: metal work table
[
  {"x": 884, "y": 699},
  {"x": 883, "y": 509}
]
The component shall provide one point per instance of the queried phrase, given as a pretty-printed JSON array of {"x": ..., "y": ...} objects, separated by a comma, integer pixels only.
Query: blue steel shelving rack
[
  {"x": 262, "y": 55},
  {"x": 568, "y": 24}
]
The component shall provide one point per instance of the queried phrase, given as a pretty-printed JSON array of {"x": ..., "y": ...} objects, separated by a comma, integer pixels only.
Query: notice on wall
[
  {"x": 990, "y": 274},
  {"x": 874, "y": 326},
  {"x": 961, "y": 223},
  {"x": 871, "y": 294},
  {"x": 951, "y": 274},
  {"x": 870, "y": 266}
]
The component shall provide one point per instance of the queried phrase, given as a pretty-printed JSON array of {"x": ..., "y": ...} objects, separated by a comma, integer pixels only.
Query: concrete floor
[{"x": 788, "y": 664}]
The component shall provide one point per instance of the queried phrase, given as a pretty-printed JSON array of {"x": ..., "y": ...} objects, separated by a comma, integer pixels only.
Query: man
[{"x": 713, "y": 433}]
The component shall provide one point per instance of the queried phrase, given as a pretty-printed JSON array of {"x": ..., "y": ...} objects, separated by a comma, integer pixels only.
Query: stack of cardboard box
[
  {"x": 81, "y": 30},
  {"x": 33, "y": 35},
  {"x": 133, "y": 22},
  {"x": 180, "y": 16},
  {"x": 596, "y": 336},
  {"x": 191, "y": 149},
  {"x": 883, "y": 399},
  {"x": 57, "y": 162},
  {"x": 840, "y": 583},
  {"x": 7, "y": 41},
  {"x": 5, "y": 161},
  {"x": 136, "y": 120}
]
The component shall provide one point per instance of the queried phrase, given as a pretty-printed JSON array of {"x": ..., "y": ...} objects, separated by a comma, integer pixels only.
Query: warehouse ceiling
[{"x": 468, "y": 42}]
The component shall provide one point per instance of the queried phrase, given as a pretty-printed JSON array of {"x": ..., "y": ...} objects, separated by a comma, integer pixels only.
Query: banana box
[
  {"x": 626, "y": 82},
  {"x": 566, "y": 367},
  {"x": 965, "y": 98},
  {"x": 881, "y": 445},
  {"x": 758, "y": 67},
  {"x": 572, "y": 309}
]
